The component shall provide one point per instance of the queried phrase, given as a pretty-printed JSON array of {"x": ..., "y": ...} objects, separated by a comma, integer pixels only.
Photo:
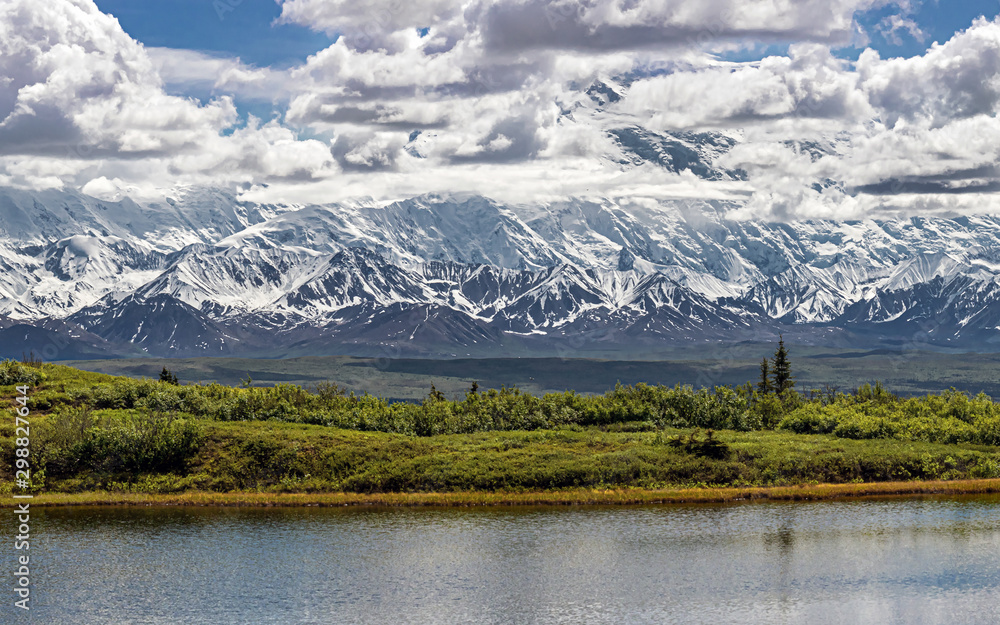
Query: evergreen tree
[
  {"x": 782, "y": 368},
  {"x": 436, "y": 395},
  {"x": 167, "y": 376},
  {"x": 473, "y": 394},
  {"x": 764, "y": 385}
]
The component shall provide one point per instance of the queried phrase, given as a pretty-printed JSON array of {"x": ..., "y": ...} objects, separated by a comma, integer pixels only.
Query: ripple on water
[{"x": 875, "y": 561}]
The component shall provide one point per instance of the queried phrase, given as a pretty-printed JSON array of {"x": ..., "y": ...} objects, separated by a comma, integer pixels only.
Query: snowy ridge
[{"x": 202, "y": 272}]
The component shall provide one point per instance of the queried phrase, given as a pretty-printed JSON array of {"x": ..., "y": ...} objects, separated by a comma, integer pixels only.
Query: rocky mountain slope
[{"x": 203, "y": 273}]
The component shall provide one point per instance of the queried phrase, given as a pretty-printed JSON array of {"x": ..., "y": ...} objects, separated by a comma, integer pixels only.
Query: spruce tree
[
  {"x": 167, "y": 376},
  {"x": 436, "y": 395},
  {"x": 764, "y": 385},
  {"x": 782, "y": 368}
]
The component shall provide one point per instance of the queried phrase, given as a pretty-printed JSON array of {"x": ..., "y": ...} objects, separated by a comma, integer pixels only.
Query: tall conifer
[
  {"x": 764, "y": 384},
  {"x": 782, "y": 368}
]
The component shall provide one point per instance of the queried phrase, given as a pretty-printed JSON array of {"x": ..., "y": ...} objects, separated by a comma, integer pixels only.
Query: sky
[{"x": 838, "y": 108}]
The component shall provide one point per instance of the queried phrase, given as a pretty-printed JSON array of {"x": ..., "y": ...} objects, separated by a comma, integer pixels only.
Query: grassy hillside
[{"x": 91, "y": 431}]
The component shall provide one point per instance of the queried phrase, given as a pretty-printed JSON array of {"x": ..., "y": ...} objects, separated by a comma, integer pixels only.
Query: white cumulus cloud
[
  {"x": 77, "y": 94},
  {"x": 517, "y": 99}
]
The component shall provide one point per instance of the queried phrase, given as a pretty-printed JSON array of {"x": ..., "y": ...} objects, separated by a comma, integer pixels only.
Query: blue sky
[
  {"x": 242, "y": 28},
  {"x": 938, "y": 19},
  {"x": 247, "y": 28}
]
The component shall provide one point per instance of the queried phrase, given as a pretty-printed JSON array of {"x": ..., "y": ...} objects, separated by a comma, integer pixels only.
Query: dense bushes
[
  {"x": 80, "y": 439},
  {"x": 91, "y": 431},
  {"x": 510, "y": 409},
  {"x": 13, "y": 372},
  {"x": 494, "y": 410},
  {"x": 873, "y": 413}
]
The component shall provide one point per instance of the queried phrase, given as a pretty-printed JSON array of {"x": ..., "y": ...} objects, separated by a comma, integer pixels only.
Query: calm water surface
[{"x": 884, "y": 562}]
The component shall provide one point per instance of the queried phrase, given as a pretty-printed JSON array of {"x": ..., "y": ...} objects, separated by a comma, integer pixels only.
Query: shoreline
[{"x": 572, "y": 497}]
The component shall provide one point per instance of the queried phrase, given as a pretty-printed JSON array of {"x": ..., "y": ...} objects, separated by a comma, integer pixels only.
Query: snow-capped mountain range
[{"x": 203, "y": 273}]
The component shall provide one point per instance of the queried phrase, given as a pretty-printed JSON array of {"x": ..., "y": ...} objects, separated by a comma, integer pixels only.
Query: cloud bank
[{"x": 523, "y": 100}]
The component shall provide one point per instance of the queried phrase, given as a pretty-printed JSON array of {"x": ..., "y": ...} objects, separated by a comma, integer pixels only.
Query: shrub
[
  {"x": 866, "y": 427},
  {"x": 810, "y": 419},
  {"x": 13, "y": 372},
  {"x": 985, "y": 468},
  {"x": 80, "y": 439},
  {"x": 711, "y": 447}
]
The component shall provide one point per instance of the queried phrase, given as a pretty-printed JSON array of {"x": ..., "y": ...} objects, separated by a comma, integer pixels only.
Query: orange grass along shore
[{"x": 804, "y": 492}]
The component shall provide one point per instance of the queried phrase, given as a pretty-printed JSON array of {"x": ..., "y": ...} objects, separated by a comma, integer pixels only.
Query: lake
[{"x": 873, "y": 561}]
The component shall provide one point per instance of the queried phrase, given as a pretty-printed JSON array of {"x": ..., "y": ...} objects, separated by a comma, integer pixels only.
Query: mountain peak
[{"x": 242, "y": 276}]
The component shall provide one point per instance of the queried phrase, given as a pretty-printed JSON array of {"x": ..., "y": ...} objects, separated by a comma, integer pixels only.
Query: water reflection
[{"x": 920, "y": 561}]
